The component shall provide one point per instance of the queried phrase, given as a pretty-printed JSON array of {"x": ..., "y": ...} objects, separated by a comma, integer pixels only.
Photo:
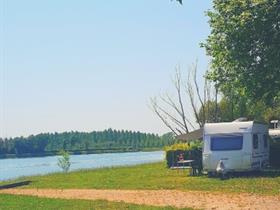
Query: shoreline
[{"x": 78, "y": 152}]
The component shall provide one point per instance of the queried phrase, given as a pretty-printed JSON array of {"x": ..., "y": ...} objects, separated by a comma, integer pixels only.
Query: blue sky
[{"x": 92, "y": 65}]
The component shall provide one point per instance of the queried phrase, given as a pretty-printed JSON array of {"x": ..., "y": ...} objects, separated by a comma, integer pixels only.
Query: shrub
[{"x": 64, "y": 161}]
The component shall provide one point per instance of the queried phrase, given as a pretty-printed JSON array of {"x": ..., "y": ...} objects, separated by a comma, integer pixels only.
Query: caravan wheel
[
  {"x": 224, "y": 176},
  {"x": 264, "y": 165}
]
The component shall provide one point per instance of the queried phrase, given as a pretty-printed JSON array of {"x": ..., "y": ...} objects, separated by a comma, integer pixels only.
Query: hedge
[{"x": 192, "y": 150}]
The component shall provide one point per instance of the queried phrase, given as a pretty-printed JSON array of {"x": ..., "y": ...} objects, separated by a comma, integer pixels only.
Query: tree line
[{"x": 82, "y": 142}]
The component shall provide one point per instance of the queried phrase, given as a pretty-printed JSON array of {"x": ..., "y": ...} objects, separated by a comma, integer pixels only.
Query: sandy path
[{"x": 180, "y": 199}]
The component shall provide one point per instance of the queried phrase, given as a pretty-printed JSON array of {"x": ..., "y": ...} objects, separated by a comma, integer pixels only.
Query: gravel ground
[{"x": 180, "y": 199}]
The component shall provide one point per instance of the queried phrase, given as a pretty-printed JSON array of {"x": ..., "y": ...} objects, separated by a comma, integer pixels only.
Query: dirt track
[{"x": 180, "y": 199}]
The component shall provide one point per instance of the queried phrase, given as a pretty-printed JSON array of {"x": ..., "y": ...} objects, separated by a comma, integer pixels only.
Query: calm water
[{"x": 13, "y": 168}]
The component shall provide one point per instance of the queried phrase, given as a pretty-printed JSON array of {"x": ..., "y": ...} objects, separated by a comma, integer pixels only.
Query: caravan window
[
  {"x": 221, "y": 143},
  {"x": 255, "y": 141}
]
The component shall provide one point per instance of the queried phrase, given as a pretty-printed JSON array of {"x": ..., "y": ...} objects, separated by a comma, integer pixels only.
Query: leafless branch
[
  {"x": 173, "y": 119},
  {"x": 169, "y": 101},
  {"x": 172, "y": 111},
  {"x": 177, "y": 83},
  {"x": 163, "y": 119},
  {"x": 190, "y": 92},
  {"x": 198, "y": 93}
]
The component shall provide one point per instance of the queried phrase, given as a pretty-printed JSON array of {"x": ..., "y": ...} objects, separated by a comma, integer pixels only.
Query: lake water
[{"x": 13, "y": 168}]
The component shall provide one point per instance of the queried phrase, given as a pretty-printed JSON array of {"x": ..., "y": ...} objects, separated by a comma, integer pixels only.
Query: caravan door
[{"x": 260, "y": 152}]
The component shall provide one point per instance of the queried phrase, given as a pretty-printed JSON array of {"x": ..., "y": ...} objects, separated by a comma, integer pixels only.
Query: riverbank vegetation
[
  {"x": 82, "y": 143},
  {"x": 154, "y": 176}
]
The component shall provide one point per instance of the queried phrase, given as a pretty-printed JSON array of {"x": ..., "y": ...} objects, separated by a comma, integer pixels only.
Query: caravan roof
[{"x": 230, "y": 127}]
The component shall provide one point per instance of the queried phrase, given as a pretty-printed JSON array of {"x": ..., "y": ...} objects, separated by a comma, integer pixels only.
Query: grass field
[
  {"x": 16, "y": 202},
  {"x": 153, "y": 176}
]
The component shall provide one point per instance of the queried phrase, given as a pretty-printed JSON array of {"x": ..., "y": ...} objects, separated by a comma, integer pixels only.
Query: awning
[{"x": 193, "y": 135}]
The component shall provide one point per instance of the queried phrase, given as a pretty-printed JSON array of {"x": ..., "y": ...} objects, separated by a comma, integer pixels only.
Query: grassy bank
[
  {"x": 154, "y": 176},
  {"x": 16, "y": 202}
]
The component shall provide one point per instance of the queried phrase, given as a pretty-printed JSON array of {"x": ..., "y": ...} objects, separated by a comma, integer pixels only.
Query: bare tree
[{"x": 176, "y": 113}]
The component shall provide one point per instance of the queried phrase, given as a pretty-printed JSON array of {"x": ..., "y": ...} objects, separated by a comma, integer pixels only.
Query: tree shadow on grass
[
  {"x": 13, "y": 185},
  {"x": 270, "y": 173}
]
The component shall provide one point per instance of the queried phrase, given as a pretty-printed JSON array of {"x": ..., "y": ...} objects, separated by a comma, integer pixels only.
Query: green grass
[
  {"x": 16, "y": 202},
  {"x": 153, "y": 176}
]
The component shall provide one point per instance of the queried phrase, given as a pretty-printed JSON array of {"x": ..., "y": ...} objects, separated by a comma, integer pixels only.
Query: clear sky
[{"x": 92, "y": 65}]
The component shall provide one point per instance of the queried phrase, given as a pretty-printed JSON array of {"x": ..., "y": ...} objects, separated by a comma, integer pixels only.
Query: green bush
[
  {"x": 275, "y": 153},
  {"x": 192, "y": 150},
  {"x": 64, "y": 161}
]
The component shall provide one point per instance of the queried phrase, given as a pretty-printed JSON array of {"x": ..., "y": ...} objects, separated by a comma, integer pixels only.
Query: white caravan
[{"x": 235, "y": 146}]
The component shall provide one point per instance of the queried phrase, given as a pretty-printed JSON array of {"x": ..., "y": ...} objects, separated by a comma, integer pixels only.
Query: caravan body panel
[{"x": 241, "y": 146}]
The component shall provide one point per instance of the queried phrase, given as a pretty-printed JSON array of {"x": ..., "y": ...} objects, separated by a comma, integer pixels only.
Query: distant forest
[{"x": 82, "y": 143}]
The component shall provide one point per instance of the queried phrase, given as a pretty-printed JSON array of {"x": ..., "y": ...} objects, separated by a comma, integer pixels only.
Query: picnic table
[{"x": 185, "y": 164}]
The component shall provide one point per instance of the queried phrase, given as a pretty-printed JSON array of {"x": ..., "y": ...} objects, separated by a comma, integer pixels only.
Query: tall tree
[{"x": 244, "y": 45}]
